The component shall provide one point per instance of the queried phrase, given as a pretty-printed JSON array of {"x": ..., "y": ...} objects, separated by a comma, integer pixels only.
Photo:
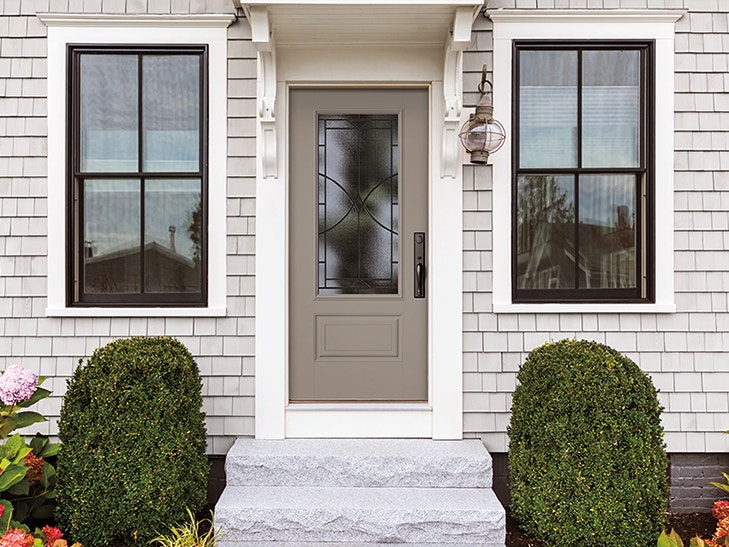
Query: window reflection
[
  {"x": 548, "y": 109},
  {"x": 545, "y": 232},
  {"x": 108, "y": 113},
  {"x": 610, "y": 109},
  {"x": 607, "y": 229}
]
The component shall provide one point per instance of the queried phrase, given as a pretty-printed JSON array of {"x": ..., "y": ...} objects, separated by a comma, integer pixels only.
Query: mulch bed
[{"x": 687, "y": 525}]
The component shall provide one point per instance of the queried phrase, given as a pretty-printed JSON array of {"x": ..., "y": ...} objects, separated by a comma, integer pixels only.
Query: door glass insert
[{"x": 358, "y": 206}]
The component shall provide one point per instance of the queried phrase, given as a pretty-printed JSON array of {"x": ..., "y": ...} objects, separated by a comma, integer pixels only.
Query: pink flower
[
  {"x": 720, "y": 509},
  {"x": 16, "y": 538},
  {"x": 17, "y": 384}
]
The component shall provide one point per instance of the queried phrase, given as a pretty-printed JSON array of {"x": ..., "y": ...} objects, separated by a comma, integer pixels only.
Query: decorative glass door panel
[{"x": 358, "y": 204}]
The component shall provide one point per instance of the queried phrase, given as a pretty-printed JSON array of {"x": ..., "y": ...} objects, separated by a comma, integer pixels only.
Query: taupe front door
[{"x": 358, "y": 206}]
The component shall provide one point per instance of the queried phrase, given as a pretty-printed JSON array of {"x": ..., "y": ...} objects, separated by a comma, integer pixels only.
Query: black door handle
[{"x": 419, "y": 239}]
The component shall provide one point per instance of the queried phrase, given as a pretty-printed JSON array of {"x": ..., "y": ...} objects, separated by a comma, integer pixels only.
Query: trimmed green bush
[
  {"x": 133, "y": 456},
  {"x": 587, "y": 461}
]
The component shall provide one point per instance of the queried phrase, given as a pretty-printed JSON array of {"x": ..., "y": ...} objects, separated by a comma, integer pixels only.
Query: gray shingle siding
[
  {"x": 223, "y": 347},
  {"x": 683, "y": 352}
]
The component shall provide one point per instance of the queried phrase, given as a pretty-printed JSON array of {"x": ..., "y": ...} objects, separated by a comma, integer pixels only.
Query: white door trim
[{"x": 439, "y": 69}]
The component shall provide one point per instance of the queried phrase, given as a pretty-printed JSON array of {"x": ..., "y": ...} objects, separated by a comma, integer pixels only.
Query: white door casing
[{"x": 432, "y": 58}]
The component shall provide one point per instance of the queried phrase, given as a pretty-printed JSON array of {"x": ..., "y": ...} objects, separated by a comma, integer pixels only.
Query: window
[
  {"x": 653, "y": 31},
  {"x": 582, "y": 181},
  {"x": 138, "y": 177}
]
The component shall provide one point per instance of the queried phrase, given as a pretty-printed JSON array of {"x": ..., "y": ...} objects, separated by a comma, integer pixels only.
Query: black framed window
[
  {"x": 138, "y": 176},
  {"x": 582, "y": 181}
]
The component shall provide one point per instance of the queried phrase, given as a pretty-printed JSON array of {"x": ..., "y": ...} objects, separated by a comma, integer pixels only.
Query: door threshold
[
  {"x": 358, "y": 405},
  {"x": 359, "y": 420}
]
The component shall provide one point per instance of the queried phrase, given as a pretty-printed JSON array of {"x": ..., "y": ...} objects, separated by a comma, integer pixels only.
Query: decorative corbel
[
  {"x": 458, "y": 42},
  {"x": 262, "y": 38}
]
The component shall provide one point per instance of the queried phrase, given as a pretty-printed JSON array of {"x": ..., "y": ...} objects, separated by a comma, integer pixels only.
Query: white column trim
[{"x": 409, "y": 65}]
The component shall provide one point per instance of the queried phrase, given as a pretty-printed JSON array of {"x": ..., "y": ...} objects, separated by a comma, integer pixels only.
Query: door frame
[{"x": 281, "y": 68}]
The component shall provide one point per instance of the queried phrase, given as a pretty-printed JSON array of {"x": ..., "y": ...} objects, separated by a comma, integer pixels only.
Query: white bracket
[
  {"x": 263, "y": 40},
  {"x": 458, "y": 42}
]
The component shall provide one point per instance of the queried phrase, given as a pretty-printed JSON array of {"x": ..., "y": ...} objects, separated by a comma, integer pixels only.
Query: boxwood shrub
[
  {"x": 587, "y": 460},
  {"x": 133, "y": 455}
]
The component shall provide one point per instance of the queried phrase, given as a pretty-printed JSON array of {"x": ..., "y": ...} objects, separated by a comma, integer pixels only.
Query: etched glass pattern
[{"x": 358, "y": 204}]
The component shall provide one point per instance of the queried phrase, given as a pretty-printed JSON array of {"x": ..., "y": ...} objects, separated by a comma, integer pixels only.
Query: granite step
[
  {"x": 359, "y": 463},
  {"x": 259, "y": 515}
]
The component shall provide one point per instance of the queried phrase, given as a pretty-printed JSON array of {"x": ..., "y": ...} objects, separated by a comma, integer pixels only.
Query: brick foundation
[{"x": 689, "y": 476}]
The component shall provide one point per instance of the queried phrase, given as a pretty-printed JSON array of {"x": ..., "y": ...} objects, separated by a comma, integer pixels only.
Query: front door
[{"x": 358, "y": 202}]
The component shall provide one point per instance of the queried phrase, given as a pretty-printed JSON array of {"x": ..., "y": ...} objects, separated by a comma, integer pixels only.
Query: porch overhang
[
  {"x": 361, "y": 22},
  {"x": 414, "y": 24}
]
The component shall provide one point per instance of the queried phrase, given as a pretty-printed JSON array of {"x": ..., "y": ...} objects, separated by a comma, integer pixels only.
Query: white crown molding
[
  {"x": 506, "y": 15},
  {"x": 202, "y": 20}
]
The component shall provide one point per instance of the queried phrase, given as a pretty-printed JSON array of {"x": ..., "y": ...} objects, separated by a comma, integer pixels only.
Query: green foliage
[
  {"x": 27, "y": 495},
  {"x": 669, "y": 540},
  {"x": 674, "y": 540},
  {"x": 189, "y": 534},
  {"x": 721, "y": 485},
  {"x": 34, "y": 498},
  {"x": 587, "y": 461},
  {"x": 133, "y": 458}
]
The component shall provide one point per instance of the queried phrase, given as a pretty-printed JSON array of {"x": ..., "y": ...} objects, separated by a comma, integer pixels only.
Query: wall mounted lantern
[{"x": 482, "y": 135}]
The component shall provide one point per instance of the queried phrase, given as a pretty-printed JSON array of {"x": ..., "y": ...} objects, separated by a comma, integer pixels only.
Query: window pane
[
  {"x": 111, "y": 236},
  {"x": 358, "y": 204},
  {"x": 607, "y": 230},
  {"x": 545, "y": 232},
  {"x": 108, "y": 113},
  {"x": 173, "y": 236},
  {"x": 611, "y": 109},
  {"x": 547, "y": 109},
  {"x": 171, "y": 112}
]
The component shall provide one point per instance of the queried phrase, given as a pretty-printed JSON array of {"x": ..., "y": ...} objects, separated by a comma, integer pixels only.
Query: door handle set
[{"x": 420, "y": 268}]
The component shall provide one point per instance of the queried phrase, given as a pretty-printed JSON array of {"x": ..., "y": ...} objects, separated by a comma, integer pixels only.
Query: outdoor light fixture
[{"x": 482, "y": 135}]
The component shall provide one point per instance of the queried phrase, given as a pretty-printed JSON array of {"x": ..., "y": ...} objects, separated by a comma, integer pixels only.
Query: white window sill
[
  {"x": 584, "y": 308},
  {"x": 135, "y": 312}
]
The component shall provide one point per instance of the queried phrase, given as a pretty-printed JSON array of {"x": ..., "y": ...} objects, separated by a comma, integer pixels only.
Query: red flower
[
  {"x": 720, "y": 509},
  {"x": 35, "y": 468},
  {"x": 52, "y": 534}
]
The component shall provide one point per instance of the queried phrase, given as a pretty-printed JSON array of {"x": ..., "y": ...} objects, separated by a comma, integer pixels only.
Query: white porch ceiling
[{"x": 347, "y": 23}]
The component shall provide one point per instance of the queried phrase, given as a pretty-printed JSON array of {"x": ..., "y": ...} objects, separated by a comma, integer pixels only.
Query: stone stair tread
[
  {"x": 359, "y": 462},
  {"x": 360, "y": 515}
]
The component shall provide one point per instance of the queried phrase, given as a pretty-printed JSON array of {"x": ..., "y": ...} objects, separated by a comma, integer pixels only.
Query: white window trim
[
  {"x": 657, "y": 25},
  {"x": 64, "y": 29}
]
